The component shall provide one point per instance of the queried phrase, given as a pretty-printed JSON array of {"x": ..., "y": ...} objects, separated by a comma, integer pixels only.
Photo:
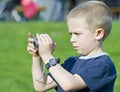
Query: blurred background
[
  {"x": 18, "y": 17},
  {"x": 45, "y": 10}
]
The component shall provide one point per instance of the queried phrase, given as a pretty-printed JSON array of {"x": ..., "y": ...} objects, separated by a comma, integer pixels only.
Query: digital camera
[{"x": 35, "y": 43}]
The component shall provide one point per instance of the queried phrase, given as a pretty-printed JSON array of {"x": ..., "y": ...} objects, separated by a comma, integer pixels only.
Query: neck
[{"x": 95, "y": 51}]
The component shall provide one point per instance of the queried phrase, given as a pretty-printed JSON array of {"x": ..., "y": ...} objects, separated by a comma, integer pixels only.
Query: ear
[{"x": 99, "y": 33}]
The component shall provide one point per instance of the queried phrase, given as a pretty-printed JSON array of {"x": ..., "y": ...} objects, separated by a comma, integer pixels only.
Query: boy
[{"x": 93, "y": 71}]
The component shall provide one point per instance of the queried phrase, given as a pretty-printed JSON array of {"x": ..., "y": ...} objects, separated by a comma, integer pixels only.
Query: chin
[{"x": 81, "y": 54}]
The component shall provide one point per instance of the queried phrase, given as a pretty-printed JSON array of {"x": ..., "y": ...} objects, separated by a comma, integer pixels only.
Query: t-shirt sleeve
[
  {"x": 69, "y": 63},
  {"x": 97, "y": 75}
]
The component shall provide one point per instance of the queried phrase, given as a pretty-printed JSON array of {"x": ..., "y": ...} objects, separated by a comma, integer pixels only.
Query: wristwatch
[{"x": 52, "y": 62}]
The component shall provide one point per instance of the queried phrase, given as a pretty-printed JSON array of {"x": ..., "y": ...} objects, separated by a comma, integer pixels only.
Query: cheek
[
  {"x": 85, "y": 43},
  {"x": 87, "y": 39},
  {"x": 84, "y": 48}
]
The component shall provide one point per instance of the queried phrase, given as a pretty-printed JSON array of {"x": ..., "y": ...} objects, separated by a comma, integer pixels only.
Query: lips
[{"x": 75, "y": 47}]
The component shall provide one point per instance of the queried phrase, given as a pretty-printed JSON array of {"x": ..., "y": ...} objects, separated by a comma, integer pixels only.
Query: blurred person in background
[
  {"x": 10, "y": 5},
  {"x": 8, "y": 13},
  {"x": 113, "y": 4},
  {"x": 29, "y": 8},
  {"x": 54, "y": 10}
]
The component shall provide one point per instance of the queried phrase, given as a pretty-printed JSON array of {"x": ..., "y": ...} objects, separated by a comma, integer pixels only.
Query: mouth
[{"x": 75, "y": 47}]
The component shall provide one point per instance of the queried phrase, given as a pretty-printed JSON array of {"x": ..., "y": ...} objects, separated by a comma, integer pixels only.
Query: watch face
[{"x": 52, "y": 62}]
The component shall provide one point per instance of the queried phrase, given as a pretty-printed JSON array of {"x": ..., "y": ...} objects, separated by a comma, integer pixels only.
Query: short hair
[{"x": 97, "y": 14}]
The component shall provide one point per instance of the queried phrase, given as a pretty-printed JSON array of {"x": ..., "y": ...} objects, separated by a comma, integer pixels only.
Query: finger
[
  {"x": 31, "y": 40},
  {"x": 37, "y": 35},
  {"x": 46, "y": 38},
  {"x": 39, "y": 38},
  {"x": 49, "y": 38},
  {"x": 31, "y": 45},
  {"x": 29, "y": 35},
  {"x": 42, "y": 38},
  {"x": 54, "y": 44},
  {"x": 31, "y": 50}
]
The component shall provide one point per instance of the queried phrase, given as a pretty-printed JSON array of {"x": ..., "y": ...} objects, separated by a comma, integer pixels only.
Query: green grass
[{"x": 15, "y": 62}]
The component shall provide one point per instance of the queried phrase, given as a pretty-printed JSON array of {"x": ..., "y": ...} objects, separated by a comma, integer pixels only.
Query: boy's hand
[
  {"x": 30, "y": 48},
  {"x": 46, "y": 45}
]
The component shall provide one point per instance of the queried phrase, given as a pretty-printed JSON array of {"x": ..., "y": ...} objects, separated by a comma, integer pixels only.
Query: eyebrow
[{"x": 74, "y": 32}]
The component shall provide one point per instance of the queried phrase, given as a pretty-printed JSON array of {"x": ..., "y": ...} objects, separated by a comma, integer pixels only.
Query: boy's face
[{"x": 82, "y": 38}]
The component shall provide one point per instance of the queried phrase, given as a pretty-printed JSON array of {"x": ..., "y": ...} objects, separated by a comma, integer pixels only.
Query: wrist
[
  {"x": 36, "y": 58},
  {"x": 46, "y": 58}
]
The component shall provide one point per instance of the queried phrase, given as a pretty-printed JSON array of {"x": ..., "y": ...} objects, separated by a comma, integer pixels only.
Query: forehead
[
  {"x": 76, "y": 21},
  {"x": 77, "y": 24}
]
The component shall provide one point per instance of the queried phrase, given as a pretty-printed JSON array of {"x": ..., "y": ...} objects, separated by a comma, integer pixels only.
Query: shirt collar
[{"x": 94, "y": 56}]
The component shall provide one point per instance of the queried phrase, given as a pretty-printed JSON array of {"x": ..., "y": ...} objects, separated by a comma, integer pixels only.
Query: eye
[{"x": 77, "y": 33}]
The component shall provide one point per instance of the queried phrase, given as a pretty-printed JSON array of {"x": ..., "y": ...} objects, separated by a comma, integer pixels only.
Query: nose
[{"x": 72, "y": 39}]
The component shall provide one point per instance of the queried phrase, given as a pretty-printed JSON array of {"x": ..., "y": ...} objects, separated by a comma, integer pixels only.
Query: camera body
[{"x": 36, "y": 43}]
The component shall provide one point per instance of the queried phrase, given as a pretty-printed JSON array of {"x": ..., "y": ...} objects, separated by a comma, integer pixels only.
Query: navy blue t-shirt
[{"x": 98, "y": 73}]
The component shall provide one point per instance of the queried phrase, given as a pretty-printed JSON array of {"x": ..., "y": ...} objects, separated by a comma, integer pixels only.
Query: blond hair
[{"x": 97, "y": 14}]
